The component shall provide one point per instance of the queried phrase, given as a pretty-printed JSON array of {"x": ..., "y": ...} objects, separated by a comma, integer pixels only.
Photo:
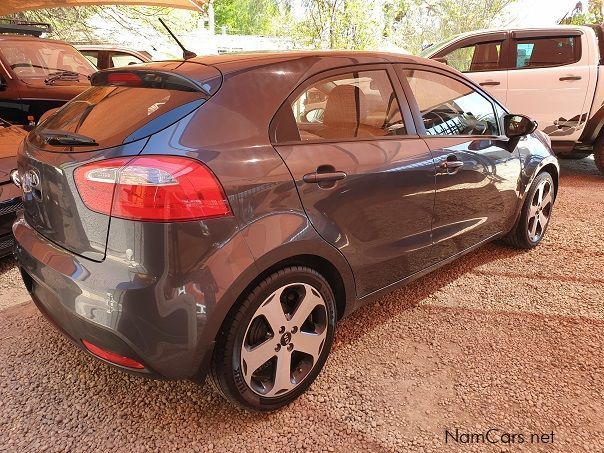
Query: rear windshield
[
  {"x": 111, "y": 115},
  {"x": 41, "y": 59}
]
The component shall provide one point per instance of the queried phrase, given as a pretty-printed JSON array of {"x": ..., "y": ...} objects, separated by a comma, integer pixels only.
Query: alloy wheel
[
  {"x": 284, "y": 340},
  {"x": 540, "y": 210}
]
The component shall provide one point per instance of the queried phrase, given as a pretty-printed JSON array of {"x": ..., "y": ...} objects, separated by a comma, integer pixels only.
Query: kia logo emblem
[{"x": 28, "y": 181}]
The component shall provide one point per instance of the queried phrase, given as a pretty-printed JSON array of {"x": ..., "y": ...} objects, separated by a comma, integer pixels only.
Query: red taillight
[
  {"x": 112, "y": 356},
  {"x": 124, "y": 79},
  {"x": 152, "y": 188}
]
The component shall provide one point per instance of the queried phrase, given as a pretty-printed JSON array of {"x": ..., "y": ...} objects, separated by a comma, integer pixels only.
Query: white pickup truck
[{"x": 554, "y": 75}]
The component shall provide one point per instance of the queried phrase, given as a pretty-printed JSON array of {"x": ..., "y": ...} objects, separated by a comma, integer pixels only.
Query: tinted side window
[
  {"x": 354, "y": 105},
  {"x": 475, "y": 58},
  {"x": 119, "y": 59},
  {"x": 92, "y": 56},
  {"x": 449, "y": 107},
  {"x": 544, "y": 52}
]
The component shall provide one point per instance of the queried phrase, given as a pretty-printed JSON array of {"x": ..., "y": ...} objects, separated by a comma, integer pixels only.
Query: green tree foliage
[
  {"x": 408, "y": 24},
  {"x": 73, "y": 24},
  {"x": 430, "y": 21},
  {"x": 67, "y": 23},
  {"x": 593, "y": 15},
  {"x": 327, "y": 24},
  {"x": 339, "y": 24},
  {"x": 248, "y": 17},
  {"x": 394, "y": 12}
]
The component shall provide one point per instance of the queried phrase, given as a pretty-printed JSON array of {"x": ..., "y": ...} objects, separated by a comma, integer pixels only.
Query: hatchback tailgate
[{"x": 116, "y": 117}]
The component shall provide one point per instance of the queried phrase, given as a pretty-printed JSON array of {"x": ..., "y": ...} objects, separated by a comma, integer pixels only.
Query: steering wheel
[{"x": 474, "y": 126}]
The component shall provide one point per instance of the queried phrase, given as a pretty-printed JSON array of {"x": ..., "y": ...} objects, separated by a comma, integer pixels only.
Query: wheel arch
[
  {"x": 317, "y": 263},
  {"x": 549, "y": 165},
  {"x": 554, "y": 173},
  {"x": 535, "y": 167},
  {"x": 319, "y": 256},
  {"x": 594, "y": 128}
]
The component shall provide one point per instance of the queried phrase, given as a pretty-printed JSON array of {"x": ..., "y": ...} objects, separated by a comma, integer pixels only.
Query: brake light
[
  {"x": 150, "y": 78},
  {"x": 124, "y": 79},
  {"x": 112, "y": 356},
  {"x": 152, "y": 188}
]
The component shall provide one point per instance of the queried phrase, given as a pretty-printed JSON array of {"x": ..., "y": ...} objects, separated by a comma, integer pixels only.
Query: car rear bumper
[
  {"x": 111, "y": 305},
  {"x": 77, "y": 329}
]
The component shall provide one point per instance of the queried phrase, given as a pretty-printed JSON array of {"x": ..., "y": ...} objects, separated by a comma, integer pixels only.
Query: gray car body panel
[{"x": 163, "y": 290}]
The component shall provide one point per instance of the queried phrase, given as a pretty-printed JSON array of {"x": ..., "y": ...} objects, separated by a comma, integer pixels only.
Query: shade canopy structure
[{"x": 17, "y": 6}]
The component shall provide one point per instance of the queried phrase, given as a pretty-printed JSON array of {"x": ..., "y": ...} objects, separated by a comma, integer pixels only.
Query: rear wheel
[
  {"x": 536, "y": 213},
  {"x": 276, "y": 342}
]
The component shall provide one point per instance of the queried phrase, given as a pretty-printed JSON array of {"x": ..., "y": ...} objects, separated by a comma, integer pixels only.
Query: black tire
[
  {"x": 520, "y": 237},
  {"x": 573, "y": 156},
  {"x": 228, "y": 373},
  {"x": 599, "y": 154}
]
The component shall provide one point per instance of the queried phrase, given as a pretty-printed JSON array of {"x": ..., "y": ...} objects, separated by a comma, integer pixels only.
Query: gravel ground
[{"x": 497, "y": 340}]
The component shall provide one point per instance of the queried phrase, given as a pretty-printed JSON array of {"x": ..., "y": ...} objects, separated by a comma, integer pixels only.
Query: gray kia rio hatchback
[{"x": 217, "y": 216}]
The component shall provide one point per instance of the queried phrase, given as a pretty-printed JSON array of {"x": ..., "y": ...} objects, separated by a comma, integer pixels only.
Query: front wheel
[
  {"x": 536, "y": 214},
  {"x": 275, "y": 343}
]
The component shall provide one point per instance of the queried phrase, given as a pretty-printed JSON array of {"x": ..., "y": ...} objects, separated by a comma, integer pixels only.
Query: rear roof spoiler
[
  {"x": 147, "y": 78},
  {"x": 24, "y": 28}
]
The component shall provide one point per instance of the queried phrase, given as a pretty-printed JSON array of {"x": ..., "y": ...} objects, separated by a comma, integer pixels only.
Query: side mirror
[
  {"x": 518, "y": 125},
  {"x": 442, "y": 60}
]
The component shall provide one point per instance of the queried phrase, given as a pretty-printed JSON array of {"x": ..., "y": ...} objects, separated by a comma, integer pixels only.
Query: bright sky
[
  {"x": 523, "y": 13},
  {"x": 535, "y": 13}
]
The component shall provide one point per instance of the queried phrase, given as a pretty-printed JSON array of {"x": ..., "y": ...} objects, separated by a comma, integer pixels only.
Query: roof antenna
[{"x": 186, "y": 54}]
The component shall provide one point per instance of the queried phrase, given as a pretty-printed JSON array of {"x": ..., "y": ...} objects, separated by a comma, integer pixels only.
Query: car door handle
[
  {"x": 318, "y": 178},
  {"x": 489, "y": 83},
  {"x": 562, "y": 79},
  {"x": 451, "y": 166}
]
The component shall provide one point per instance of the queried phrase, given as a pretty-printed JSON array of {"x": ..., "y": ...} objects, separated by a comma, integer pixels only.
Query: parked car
[
  {"x": 552, "y": 74},
  {"x": 37, "y": 74},
  {"x": 11, "y": 138},
  {"x": 209, "y": 231},
  {"x": 108, "y": 56}
]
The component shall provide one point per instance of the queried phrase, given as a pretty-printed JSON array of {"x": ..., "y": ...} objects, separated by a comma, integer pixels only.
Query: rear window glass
[
  {"x": 92, "y": 56},
  {"x": 111, "y": 114}
]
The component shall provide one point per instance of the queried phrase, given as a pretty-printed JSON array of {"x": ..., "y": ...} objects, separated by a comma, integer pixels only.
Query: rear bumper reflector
[{"x": 112, "y": 356}]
